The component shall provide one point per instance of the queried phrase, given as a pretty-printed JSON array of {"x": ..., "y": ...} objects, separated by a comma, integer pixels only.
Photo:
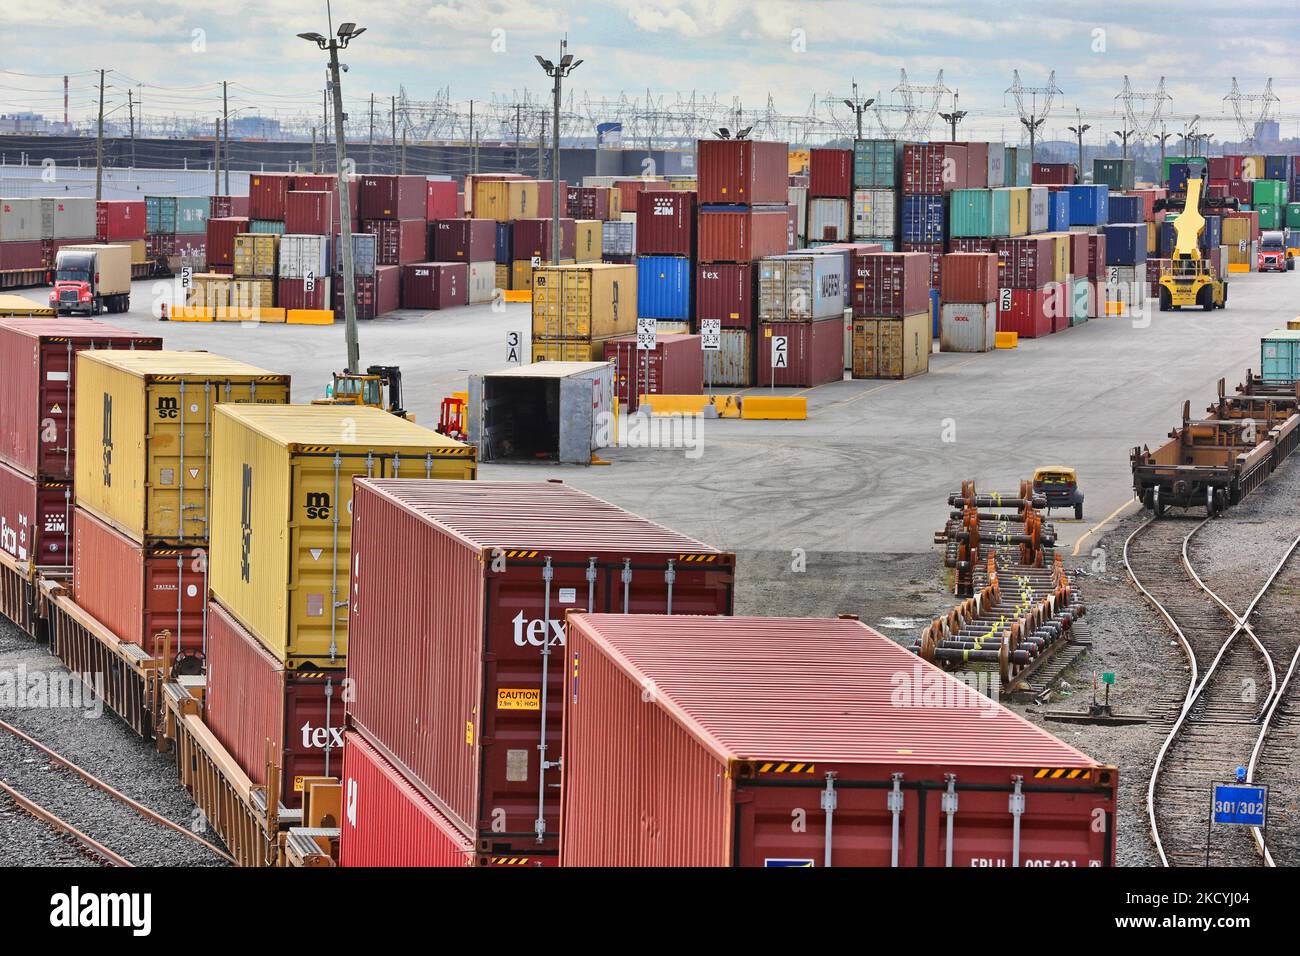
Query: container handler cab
[
  {"x": 1191, "y": 279},
  {"x": 380, "y": 387}
]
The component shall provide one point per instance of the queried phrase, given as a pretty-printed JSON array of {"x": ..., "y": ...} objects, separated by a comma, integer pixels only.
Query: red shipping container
[
  {"x": 1216, "y": 188},
  {"x": 221, "y": 239},
  {"x": 665, "y": 223},
  {"x": 435, "y": 285},
  {"x": 37, "y": 386},
  {"x": 630, "y": 189},
  {"x": 1027, "y": 312},
  {"x": 138, "y": 591},
  {"x": 310, "y": 213},
  {"x": 162, "y": 245},
  {"x": 22, "y": 255},
  {"x": 314, "y": 182},
  {"x": 442, "y": 199},
  {"x": 532, "y": 237},
  {"x": 266, "y": 192},
  {"x": 545, "y": 196},
  {"x": 830, "y": 173},
  {"x": 1096, "y": 255},
  {"x": 227, "y": 207},
  {"x": 119, "y": 220},
  {"x": 293, "y": 294},
  {"x": 969, "y": 277},
  {"x": 792, "y": 227},
  {"x": 448, "y": 675},
  {"x": 738, "y": 738},
  {"x": 257, "y": 708},
  {"x": 399, "y": 242},
  {"x": 35, "y": 520},
  {"x": 741, "y": 233},
  {"x": 1241, "y": 190},
  {"x": 725, "y": 291},
  {"x": 1148, "y": 198},
  {"x": 375, "y": 295},
  {"x": 890, "y": 284},
  {"x": 1026, "y": 262},
  {"x": 394, "y": 197},
  {"x": 1079, "y": 247},
  {"x": 930, "y": 170},
  {"x": 1054, "y": 174},
  {"x": 814, "y": 353},
  {"x": 972, "y": 244},
  {"x": 675, "y": 366},
  {"x": 386, "y": 821},
  {"x": 463, "y": 240},
  {"x": 742, "y": 171},
  {"x": 585, "y": 203}
]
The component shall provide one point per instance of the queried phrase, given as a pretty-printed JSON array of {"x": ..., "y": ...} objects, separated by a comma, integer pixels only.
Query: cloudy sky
[{"x": 173, "y": 54}]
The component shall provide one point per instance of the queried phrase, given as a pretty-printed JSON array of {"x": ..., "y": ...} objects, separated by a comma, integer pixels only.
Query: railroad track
[
  {"x": 1234, "y": 711},
  {"x": 109, "y": 832}
]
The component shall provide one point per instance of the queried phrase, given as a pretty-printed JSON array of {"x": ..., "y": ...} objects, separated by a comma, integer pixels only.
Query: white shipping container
[
  {"x": 1038, "y": 200},
  {"x": 68, "y": 218},
  {"x": 733, "y": 362},
  {"x": 875, "y": 213},
  {"x": 618, "y": 238},
  {"x": 301, "y": 253},
  {"x": 968, "y": 327},
  {"x": 799, "y": 199},
  {"x": 1126, "y": 290},
  {"x": 482, "y": 281},
  {"x": 829, "y": 220},
  {"x": 801, "y": 288},
  {"x": 20, "y": 220},
  {"x": 997, "y": 165}
]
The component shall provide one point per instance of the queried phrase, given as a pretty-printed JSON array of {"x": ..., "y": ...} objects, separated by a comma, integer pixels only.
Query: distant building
[
  {"x": 28, "y": 123},
  {"x": 254, "y": 127},
  {"x": 1269, "y": 132}
]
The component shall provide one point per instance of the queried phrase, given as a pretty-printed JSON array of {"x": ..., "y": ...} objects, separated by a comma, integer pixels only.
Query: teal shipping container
[
  {"x": 1279, "y": 356},
  {"x": 1270, "y": 191},
  {"x": 273, "y": 226},
  {"x": 1080, "y": 290},
  {"x": 1196, "y": 162},
  {"x": 160, "y": 215},
  {"x": 1270, "y": 215},
  {"x": 877, "y": 163},
  {"x": 1293, "y": 215},
  {"x": 1019, "y": 160},
  {"x": 979, "y": 213},
  {"x": 192, "y": 214},
  {"x": 1118, "y": 174}
]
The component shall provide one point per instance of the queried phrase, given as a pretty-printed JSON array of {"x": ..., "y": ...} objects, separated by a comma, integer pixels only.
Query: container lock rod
[
  {"x": 627, "y": 581},
  {"x": 895, "y": 804},
  {"x": 1016, "y": 807},
  {"x": 591, "y": 584},
  {"x": 539, "y": 826},
  {"x": 949, "y": 806},
  {"x": 830, "y": 800},
  {"x": 669, "y": 577}
]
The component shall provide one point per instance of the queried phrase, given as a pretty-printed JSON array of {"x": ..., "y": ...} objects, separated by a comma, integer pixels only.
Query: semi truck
[
  {"x": 1273, "y": 253},
  {"x": 92, "y": 279}
]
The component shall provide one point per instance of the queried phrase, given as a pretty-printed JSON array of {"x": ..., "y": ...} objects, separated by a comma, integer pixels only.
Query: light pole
[
  {"x": 346, "y": 33},
  {"x": 1032, "y": 124},
  {"x": 858, "y": 106},
  {"x": 955, "y": 117},
  {"x": 558, "y": 71},
  {"x": 1078, "y": 130}
]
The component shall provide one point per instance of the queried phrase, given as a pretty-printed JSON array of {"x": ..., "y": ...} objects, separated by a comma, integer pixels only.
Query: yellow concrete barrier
[
  {"x": 518, "y": 295},
  {"x": 1238, "y": 266},
  {"x": 309, "y": 317},
  {"x": 774, "y": 407},
  {"x": 1006, "y": 340},
  {"x": 190, "y": 313},
  {"x": 726, "y": 406}
]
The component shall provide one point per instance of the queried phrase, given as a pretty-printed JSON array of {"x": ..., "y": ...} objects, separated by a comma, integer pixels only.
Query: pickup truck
[{"x": 92, "y": 279}]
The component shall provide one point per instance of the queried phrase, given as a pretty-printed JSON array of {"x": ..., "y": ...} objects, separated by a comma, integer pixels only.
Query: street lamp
[
  {"x": 858, "y": 106},
  {"x": 347, "y": 32},
  {"x": 1078, "y": 130},
  {"x": 955, "y": 117},
  {"x": 557, "y": 71}
]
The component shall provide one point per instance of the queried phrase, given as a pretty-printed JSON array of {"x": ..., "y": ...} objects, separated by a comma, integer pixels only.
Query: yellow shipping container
[
  {"x": 521, "y": 272},
  {"x": 249, "y": 294},
  {"x": 589, "y": 301},
  {"x": 615, "y": 203},
  {"x": 1060, "y": 255},
  {"x": 209, "y": 290},
  {"x": 139, "y": 251},
  {"x": 506, "y": 200},
  {"x": 503, "y": 276},
  {"x": 685, "y": 184},
  {"x": 569, "y": 350},
  {"x": 1252, "y": 167},
  {"x": 257, "y": 255},
  {"x": 892, "y": 348},
  {"x": 145, "y": 421},
  {"x": 282, "y": 506},
  {"x": 590, "y": 241},
  {"x": 1236, "y": 239},
  {"x": 1019, "y": 206},
  {"x": 1153, "y": 236}
]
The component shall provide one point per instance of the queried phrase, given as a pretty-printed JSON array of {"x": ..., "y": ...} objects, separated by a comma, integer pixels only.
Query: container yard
[{"x": 572, "y": 482}]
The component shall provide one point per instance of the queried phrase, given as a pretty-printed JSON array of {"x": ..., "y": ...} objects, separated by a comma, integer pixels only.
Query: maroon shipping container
[
  {"x": 293, "y": 293},
  {"x": 814, "y": 353},
  {"x": 929, "y": 170},
  {"x": 119, "y": 220},
  {"x": 255, "y": 707},
  {"x": 162, "y": 245},
  {"x": 890, "y": 284},
  {"x": 221, "y": 239},
  {"x": 314, "y": 182},
  {"x": 1079, "y": 245},
  {"x": 725, "y": 291},
  {"x": 435, "y": 285},
  {"x": 675, "y": 366},
  {"x": 138, "y": 591},
  {"x": 977, "y": 163},
  {"x": 386, "y": 821},
  {"x": 665, "y": 224},
  {"x": 1241, "y": 190},
  {"x": 266, "y": 192},
  {"x": 629, "y": 189},
  {"x": 399, "y": 242},
  {"x": 545, "y": 190},
  {"x": 972, "y": 244},
  {"x": 830, "y": 174},
  {"x": 223, "y": 207},
  {"x": 1054, "y": 174},
  {"x": 742, "y": 171},
  {"x": 35, "y": 520},
  {"x": 375, "y": 295},
  {"x": 22, "y": 255},
  {"x": 749, "y": 718},
  {"x": 394, "y": 197},
  {"x": 1027, "y": 312},
  {"x": 792, "y": 227},
  {"x": 310, "y": 213},
  {"x": 463, "y": 240},
  {"x": 453, "y": 621},
  {"x": 38, "y": 384},
  {"x": 532, "y": 237},
  {"x": 1096, "y": 255},
  {"x": 441, "y": 199},
  {"x": 969, "y": 277},
  {"x": 1026, "y": 262},
  {"x": 742, "y": 233},
  {"x": 587, "y": 203}
]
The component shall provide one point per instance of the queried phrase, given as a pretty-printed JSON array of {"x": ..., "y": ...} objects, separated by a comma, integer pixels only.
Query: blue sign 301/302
[{"x": 1240, "y": 805}]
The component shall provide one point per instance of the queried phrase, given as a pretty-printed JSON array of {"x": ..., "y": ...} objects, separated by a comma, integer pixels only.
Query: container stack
[
  {"x": 119, "y": 220},
  {"x": 278, "y": 623},
  {"x": 256, "y": 266},
  {"x": 830, "y": 196},
  {"x": 968, "y": 320},
  {"x": 1126, "y": 272},
  {"x": 578, "y": 308},
  {"x": 930, "y": 172},
  {"x": 176, "y": 232},
  {"x": 525, "y": 205},
  {"x": 801, "y": 299},
  {"x": 473, "y": 242},
  {"x": 1028, "y": 281},
  {"x": 21, "y": 246},
  {"x": 666, "y": 258},
  {"x": 892, "y": 326},
  {"x": 877, "y": 167},
  {"x": 743, "y": 217}
]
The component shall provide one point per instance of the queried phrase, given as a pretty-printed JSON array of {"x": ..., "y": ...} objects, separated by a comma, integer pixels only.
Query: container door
[
  {"x": 56, "y": 407},
  {"x": 786, "y": 826},
  {"x": 580, "y": 401}
]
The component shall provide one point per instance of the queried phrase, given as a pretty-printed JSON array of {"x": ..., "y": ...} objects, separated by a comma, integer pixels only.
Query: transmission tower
[
  {"x": 1036, "y": 115},
  {"x": 1267, "y": 101},
  {"x": 1141, "y": 122},
  {"x": 920, "y": 117}
]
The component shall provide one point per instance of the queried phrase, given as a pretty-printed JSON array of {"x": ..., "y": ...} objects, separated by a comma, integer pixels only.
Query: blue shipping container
[
  {"x": 934, "y": 314},
  {"x": 1125, "y": 209},
  {"x": 663, "y": 287},
  {"x": 1212, "y": 234},
  {"x": 1089, "y": 205},
  {"x": 1275, "y": 168},
  {"x": 1178, "y": 174},
  {"x": 505, "y": 243},
  {"x": 1058, "y": 212},
  {"x": 923, "y": 218},
  {"x": 1126, "y": 244}
]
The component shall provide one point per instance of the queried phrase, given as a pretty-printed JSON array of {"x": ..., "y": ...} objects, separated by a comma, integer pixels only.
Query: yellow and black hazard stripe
[
  {"x": 786, "y": 766},
  {"x": 522, "y": 554},
  {"x": 315, "y": 449},
  {"x": 697, "y": 558},
  {"x": 1062, "y": 773},
  {"x": 508, "y": 861}
]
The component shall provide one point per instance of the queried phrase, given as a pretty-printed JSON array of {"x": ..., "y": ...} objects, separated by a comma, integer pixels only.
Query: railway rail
[{"x": 1223, "y": 720}]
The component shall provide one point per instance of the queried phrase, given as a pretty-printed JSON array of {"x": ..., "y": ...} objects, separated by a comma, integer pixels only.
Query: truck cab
[
  {"x": 1273, "y": 254},
  {"x": 92, "y": 280}
]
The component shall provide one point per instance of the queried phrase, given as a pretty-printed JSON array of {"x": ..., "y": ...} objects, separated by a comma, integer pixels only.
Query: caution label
[
  {"x": 516, "y": 698},
  {"x": 297, "y": 784}
]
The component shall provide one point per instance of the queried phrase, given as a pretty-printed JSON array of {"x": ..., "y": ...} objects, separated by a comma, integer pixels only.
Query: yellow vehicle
[
  {"x": 17, "y": 306},
  {"x": 1191, "y": 279},
  {"x": 1060, "y": 486},
  {"x": 380, "y": 387}
]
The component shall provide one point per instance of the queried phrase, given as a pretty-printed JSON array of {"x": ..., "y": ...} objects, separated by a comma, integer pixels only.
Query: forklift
[
  {"x": 1191, "y": 280},
  {"x": 380, "y": 387}
]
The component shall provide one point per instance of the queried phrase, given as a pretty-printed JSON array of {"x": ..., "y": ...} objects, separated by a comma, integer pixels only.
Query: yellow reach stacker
[{"x": 1191, "y": 279}]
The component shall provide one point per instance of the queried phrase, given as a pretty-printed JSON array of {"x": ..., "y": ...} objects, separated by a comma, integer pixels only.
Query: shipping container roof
[
  {"x": 167, "y": 362},
  {"x": 546, "y": 370},
  {"x": 805, "y": 689},
  {"x": 71, "y": 329},
  {"x": 335, "y": 426},
  {"x": 533, "y": 515}
]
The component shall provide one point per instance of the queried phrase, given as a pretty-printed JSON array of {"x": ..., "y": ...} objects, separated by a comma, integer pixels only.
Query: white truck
[{"x": 92, "y": 279}]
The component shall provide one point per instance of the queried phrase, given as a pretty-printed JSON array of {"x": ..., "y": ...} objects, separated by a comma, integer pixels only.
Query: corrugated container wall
[
  {"x": 36, "y": 521},
  {"x": 725, "y": 291},
  {"x": 666, "y": 223},
  {"x": 675, "y": 366},
  {"x": 741, "y": 233},
  {"x": 663, "y": 287},
  {"x": 814, "y": 353},
  {"x": 746, "y": 172}
]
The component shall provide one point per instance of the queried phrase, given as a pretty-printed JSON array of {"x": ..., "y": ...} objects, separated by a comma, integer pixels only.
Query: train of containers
[
  {"x": 611, "y": 651},
  {"x": 33, "y": 229}
]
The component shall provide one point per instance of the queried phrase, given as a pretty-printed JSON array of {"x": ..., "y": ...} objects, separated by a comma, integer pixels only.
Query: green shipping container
[
  {"x": 1270, "y": 215},
  {"x": 1194, "y": 161},
  {"x": 160, "y": 215},
  {"x": 1270, "y": 191},
  {"x": 980, "y": 213},
  {"x": 1115, "y": 173},
  {"x": 1279, "y": 356},
  {"x": 1018, "y": 159},
  {"x": 1080, "y": 289},
  {"x": 1293, "y": 215},
  {"x": 876, "y": 163},
  {"x": 191, "y": 214},
  {"x": 273, "y": 226}
]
